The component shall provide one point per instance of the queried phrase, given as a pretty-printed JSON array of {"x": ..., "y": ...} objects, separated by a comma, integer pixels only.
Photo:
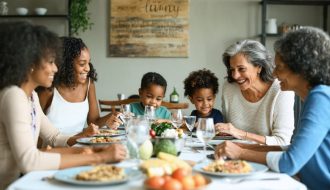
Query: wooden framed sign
[{"x": 149, "y": 28}]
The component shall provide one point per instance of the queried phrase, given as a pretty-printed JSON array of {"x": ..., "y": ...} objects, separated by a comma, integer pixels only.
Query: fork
[{"x": 249, "y": 179}]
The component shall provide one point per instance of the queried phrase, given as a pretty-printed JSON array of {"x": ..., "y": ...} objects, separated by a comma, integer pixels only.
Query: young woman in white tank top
[{"x": 72, "y": 101}]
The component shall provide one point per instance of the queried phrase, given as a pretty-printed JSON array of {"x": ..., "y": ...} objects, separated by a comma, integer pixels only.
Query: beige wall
[{"x": 214, "y": 24}]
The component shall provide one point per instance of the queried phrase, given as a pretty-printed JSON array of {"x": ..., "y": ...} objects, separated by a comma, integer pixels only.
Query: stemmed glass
[
  {"x": 149, "y": 113},
  {"x": 205, "y": 131},
  {"x": 190, "y": 123},
  {"x": 126, "y": 114},
  {"x": 177, "y": 118},
  {"x": 138, "y": 133}
]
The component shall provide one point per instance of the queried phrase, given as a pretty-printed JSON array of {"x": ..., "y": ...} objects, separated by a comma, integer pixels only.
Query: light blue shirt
[
  {"x": 309, "y": 153},
  {"x": 161, "y": 112}
]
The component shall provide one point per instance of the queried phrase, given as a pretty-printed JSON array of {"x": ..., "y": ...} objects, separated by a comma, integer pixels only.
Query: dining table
[{"x": 192, "y": 151}]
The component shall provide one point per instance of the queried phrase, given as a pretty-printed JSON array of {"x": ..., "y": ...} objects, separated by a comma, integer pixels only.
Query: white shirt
[
  {"x": 272, "y": 116},
  {"x": 69, "y": 117}
]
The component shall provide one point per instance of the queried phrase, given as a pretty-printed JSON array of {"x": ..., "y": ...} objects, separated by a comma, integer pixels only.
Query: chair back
[
  {"x": 172, "y": 106},
  {"x": 114, "y": 105}
]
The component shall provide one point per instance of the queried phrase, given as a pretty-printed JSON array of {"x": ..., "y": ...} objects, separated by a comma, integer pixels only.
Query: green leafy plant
[{"x": 79, "y": 16}]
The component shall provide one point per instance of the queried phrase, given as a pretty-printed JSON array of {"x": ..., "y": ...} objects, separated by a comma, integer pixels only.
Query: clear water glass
[
  {"x": 177, "y": 118},
  {"x": 190, "y": 123},
  {"x": 205, "y": 131},
  {"x": 149, "y": 113},
  {"x": 137, "y": 133}
]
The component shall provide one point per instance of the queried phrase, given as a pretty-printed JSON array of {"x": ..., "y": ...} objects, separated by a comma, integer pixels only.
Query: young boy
[{"x": 152, "y": 92}]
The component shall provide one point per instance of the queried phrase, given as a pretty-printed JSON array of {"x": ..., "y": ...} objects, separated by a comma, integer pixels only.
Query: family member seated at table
[
  {"x": 151, "y": 92},
  {"x": 72, "y": 99},
  {"x": 303, "y": 65},
  {"x": 253, "y": 105},
  {"x": 28, "y": 60},
  {"x": 201, "y": 88}
]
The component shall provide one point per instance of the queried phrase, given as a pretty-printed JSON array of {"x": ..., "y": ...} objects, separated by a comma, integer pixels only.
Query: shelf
[
  {"x": 34, "y": 16},
  {"x": 264, "y": 4},
  {"x": 52, "y": 17},
  {"x": 298, "y": 2},
  {"x": 270, "y": 35}
]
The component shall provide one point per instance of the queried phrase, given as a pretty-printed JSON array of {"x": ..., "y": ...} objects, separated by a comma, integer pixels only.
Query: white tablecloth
[{"x": 36, "y": 180}]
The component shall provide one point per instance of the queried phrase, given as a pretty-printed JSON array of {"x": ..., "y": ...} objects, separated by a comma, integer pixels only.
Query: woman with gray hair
[
  {"x": 253, "y": 105},
  {"x": 303, "y": 65}
]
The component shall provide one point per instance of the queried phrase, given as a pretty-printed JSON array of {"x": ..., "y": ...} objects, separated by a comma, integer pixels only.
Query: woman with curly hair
[
  {"x": 72, "y": 100},
  {"x": 303, "y": 65},
  {"x": 253, "y": 104},
  {"x": 201, "y": 88},
  {"x": 28, "y": 59}
]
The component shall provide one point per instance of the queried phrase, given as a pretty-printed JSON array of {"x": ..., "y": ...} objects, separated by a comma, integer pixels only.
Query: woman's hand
[
  {"x": 229, "y": 129},
  {"x": 114, "y": 122},
  {"x": 112, "y": 153},
  {"x": 91, "y": 130},
  {"x": 228, "y": 149}
]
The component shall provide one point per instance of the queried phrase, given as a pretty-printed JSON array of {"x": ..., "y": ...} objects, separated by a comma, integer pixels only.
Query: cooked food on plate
[
  {"x": 108, "y": 132},
  {"x": 104, "y": 140},
  {"x": 229, "y": 166},
  {"x": 102, "y": 173}
]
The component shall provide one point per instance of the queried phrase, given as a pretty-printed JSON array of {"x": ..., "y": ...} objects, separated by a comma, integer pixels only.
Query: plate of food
[
  {"x": 99, "y": 140},
  {"x": 109, "y": 133},
  {"x": 223, "y": 136},
  {"x": 234, "y": 168},
  {"x": 96, "y": 175}
]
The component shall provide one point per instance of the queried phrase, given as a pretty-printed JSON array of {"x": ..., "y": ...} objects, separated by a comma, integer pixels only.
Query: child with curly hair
[{"x": 201, "y": 88}]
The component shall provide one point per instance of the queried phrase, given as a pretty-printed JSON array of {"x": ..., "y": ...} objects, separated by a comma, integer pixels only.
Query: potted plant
[{"x": 79, "y": 16}]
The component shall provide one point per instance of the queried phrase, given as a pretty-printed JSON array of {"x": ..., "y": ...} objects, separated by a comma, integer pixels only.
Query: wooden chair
[
  {"x": 171, "y": 106},
  {"x": 114, "y": 105}
]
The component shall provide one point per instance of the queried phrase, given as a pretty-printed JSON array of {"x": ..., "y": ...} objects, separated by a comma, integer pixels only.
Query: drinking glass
[
  {"x": 137, "y": 133},
  {"x": 149, "y": 113},
  {"x": 205, "y": 131},
  {"x": 177, "y": 118},
  {"x": 126, "y": 114},
  {"x": 190, "y": 123}
]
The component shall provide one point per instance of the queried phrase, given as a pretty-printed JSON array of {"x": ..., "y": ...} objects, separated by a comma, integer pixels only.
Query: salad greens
[{"x": 159, "y": 128}]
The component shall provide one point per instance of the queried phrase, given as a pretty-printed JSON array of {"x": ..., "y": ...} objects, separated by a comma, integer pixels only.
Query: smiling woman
[
  {"x": 253, "y": 105},
  {"x": 28, "y": 56},
  {"x": 72, "y": 100},
  {"x": 303, "y": 65}
]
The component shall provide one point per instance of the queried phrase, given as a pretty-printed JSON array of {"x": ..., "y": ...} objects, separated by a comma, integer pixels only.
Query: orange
[
  {"x": 155, "y": 182},
  {"x": 180, "y": 173},
  {"x": 172, "y": 184},
  {"x": 188, "y": 182},
  {"x": 199, "y": 180}
]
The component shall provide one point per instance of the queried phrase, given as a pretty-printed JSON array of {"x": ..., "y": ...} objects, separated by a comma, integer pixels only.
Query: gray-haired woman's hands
[{"x": 230, "y": 129}]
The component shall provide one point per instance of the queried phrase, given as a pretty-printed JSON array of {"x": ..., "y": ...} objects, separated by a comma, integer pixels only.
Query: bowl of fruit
[{"x": 180, "y": 179}]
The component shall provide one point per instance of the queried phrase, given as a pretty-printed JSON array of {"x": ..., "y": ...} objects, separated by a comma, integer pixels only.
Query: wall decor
[{"x": 149, "y": 28}]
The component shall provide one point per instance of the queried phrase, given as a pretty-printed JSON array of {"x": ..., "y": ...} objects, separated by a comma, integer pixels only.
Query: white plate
[
  {"x": 256, "y": 168},
  {"x": 68, "y": 176},
  {"x": 224, "y": 138},
  {"x": 87, "y": 140},
  {"x": 105, "y": 133}
]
